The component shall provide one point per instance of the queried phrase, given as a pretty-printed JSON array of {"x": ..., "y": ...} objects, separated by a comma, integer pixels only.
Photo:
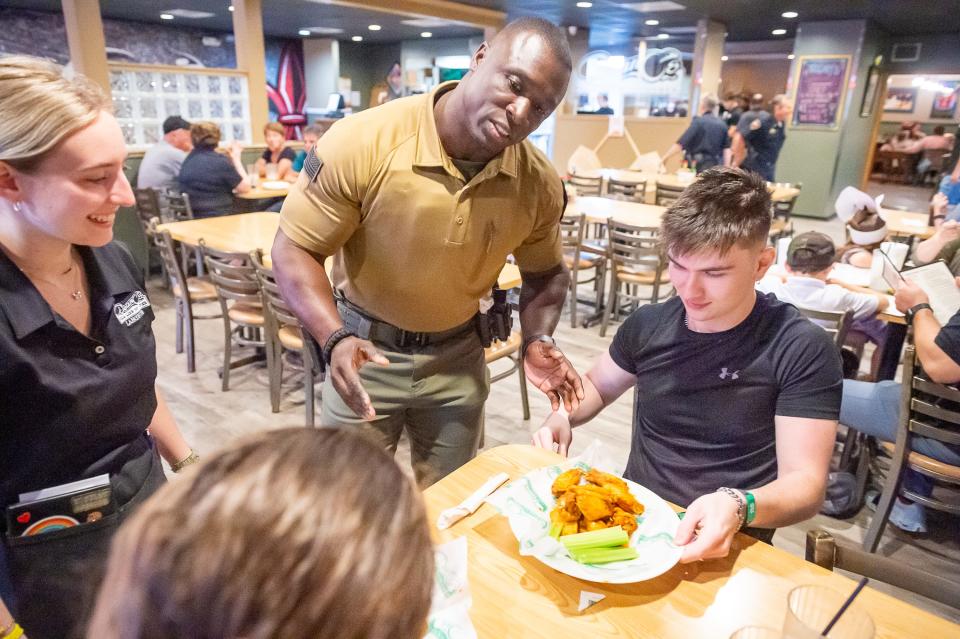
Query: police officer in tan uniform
[{"x": 420, "y": 201}]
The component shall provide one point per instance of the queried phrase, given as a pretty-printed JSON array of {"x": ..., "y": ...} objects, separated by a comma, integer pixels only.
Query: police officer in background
[
  {"x": 705, "y": 142},
  {"x": 764, "y": 137},
  {"x": 420, "y": 201}
]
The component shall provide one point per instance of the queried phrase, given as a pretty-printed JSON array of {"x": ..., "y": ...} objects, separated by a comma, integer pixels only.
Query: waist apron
[{"x": 55, "y": 576}]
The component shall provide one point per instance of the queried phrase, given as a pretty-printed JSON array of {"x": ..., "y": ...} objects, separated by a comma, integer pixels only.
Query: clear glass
[
  {"x": 271, "y": 171},
  {"x": 252, "y": 172},
  {"x": 756, "y": 632},
  {"x": 810, "y": 609}
]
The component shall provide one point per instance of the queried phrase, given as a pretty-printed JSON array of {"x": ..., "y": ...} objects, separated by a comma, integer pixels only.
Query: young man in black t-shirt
[{"x": 737, "y": 394}]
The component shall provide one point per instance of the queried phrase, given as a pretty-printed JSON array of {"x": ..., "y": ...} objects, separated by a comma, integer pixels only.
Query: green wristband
[{"x": 751, "y": 507}]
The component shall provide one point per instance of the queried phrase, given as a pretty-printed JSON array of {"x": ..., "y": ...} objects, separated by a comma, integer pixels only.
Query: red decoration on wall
[{"x": 289, "y": 96}]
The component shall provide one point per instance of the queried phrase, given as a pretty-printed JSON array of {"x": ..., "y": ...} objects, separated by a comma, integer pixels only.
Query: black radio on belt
[{"x": 497, "y": 322}]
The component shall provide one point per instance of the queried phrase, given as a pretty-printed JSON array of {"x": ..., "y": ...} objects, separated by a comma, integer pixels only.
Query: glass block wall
[{"x": 144, "y": 98}]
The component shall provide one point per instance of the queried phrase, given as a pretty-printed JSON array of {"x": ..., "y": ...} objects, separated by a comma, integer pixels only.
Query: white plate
[
  {"x": 527, "y": 502},
  {"x": 275, "y": 185}
]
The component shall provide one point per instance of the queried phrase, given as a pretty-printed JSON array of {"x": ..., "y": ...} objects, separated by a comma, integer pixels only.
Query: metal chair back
[
  {"x": 667, "y": 194},
  {"x": 176, "y": 207},
  {"x": 621, "y": 190},
  {"x": 837, "y": 323},
  {"x": 586, "y": 185}
]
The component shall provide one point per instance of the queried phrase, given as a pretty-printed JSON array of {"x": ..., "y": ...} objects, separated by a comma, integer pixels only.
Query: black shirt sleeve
[
  {"x": 226, "y": 174},
  {"x": 265, "y": 156},
  {"x": 633, "y": 335},
  {"x": 948, "y": 339},
  {"x": 808, "y": 366},
  {"x": 691, "y": 135}
]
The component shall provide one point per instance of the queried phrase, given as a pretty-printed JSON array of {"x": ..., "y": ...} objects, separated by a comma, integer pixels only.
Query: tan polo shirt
[{"x": 414, "y": 244}]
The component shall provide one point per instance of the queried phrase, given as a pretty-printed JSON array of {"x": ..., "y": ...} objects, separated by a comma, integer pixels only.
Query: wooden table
[
  {"x": 245, "y": 232},
  {"x": 599, "y": 209},
  {"x": 515, "y": 596},
  {"x": 260, "y": 193},
  {"x": 907, "y": 223}
]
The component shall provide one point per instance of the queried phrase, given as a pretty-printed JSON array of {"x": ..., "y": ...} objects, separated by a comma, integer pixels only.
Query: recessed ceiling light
[
  {"x": 166, "y": 16},
  {"x": 374, "y": 27},
  {"x": 651, "y": 22},
  {"x": 723, "y": 58},
  {"x": 790, "y": 57},
  {"x": 663, "y": 36},
  {"x": 304, "y": 32},
  {"x": 584, "y": 5},
  {"x": 789, "y": 14},
  {"x": 230, "y": 8},
  {"x": 426, "y": 34},
  {"x": 778, "y": 31},
  {"x": 357, "y": 38}
]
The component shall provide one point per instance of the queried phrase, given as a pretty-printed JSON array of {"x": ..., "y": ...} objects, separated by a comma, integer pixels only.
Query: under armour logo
[{"x": 724, "y": 374}]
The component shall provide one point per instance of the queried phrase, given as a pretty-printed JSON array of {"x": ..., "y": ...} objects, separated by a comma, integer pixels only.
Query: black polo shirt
[
  {"x": 73, "y": 406},
  {"x": 209, "y": 178},
  {"x": 704, "y": 141}
]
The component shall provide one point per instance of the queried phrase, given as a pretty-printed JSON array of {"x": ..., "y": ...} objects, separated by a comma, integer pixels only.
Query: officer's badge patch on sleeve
[{"x": 312, "y": 165}]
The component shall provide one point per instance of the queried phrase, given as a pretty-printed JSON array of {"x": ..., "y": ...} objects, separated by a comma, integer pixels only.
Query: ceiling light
[
  {"x": 230, "y": 8},
  {"x": 374, "y": 27},
  {"x": 790, "y": 57},
  {"x": 426, "y": 34},
  {"x": 723, "y": 58},
  {"x": 304, "y": 32},
  {"x": 584, "y": 5},
  {"x": 651, "y": 22},
  {"x": 789, "y": 14},
  {"x": 357, "y": 38},
  {"x": 166, "y": 16},
  {"x": 778, "y": 31},
  {"x": 663, "y": 36}
]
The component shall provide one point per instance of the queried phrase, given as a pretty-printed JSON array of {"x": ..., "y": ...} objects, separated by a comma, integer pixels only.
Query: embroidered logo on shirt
[
  {"x": 724, "y": 374},
  {"x": 312, "y": 165},
  {"x": 132, "y": 310}
]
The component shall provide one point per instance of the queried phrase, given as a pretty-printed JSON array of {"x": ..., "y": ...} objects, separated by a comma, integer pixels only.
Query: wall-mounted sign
[{"x": 821, "y": 83}]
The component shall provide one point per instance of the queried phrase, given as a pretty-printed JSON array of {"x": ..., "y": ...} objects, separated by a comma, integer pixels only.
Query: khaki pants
[{"x": 436, "y": 393}]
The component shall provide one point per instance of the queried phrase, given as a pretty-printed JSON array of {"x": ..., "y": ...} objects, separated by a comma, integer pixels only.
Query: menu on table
[{"x": 821, "y": 81}]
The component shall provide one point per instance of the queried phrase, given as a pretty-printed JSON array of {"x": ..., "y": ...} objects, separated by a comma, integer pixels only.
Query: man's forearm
[
  {"x": 928, "y": 249},
  {"x": 788, "y": 499},
  {"x": 305, "y": 286},
  {"x": 541, "y": 301}
]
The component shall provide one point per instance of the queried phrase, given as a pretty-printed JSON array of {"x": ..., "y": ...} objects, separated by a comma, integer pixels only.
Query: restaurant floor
[{"x": 211, "y": 418}]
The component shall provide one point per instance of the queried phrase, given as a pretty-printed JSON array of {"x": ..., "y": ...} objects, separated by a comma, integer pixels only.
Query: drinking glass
[
  {"x": 271, "y": 171},
  {"x": 810, "y": 609},
  {"x": 253, "y": 173},
  {"x": 756, "y": 632}
]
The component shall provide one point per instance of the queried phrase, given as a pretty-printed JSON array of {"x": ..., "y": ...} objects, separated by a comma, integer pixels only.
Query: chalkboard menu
[{"x": 821, "y": 81}]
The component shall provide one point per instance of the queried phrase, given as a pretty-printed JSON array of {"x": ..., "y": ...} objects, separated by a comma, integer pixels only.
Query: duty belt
[{"x": 376, "y": 330}]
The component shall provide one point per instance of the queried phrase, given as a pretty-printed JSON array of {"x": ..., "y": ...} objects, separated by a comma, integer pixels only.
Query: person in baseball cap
[
  {"x": 811, "y": 252},
  {"x": 175, "y": 123},
  {"x": 161, "y": 163}
]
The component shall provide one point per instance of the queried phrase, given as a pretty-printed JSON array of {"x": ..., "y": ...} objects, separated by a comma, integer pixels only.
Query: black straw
[{"x": 846, "y": 604}]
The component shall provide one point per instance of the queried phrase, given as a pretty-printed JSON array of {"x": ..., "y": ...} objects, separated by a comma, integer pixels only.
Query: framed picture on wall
[
  {"x": 870, "y": 93},
  {"x": 900, "y": 100},
  {"x": 944, "y": 105},
  {"x": 821, "y": 83}
]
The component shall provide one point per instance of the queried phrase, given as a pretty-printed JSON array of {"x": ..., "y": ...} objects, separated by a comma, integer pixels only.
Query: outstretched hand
[
  {"x": 550, "y": 371},
  {"x": 345, "y": 362}
]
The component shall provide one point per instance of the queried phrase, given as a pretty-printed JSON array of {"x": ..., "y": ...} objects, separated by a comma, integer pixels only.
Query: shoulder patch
[{"x": 312, "y": 165}]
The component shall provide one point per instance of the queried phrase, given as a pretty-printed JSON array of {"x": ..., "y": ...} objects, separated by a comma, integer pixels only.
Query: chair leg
[
  {"x": 191, "y": 343},
  {"x": 274, "y": 371},
  {"x": 573, "y": 298},
  {"x": 227, "y": 348},
  {"x": 180, "y": 320},
  {"x": 891, "y": 488},
  {"x": 524, "y": 399},
  {"x": 611, "y": 304}
]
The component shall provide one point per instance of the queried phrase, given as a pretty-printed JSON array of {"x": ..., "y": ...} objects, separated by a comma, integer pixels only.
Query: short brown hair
[
  {"x": 723, "y": 207},
  {"x": 276, "y": 127},
  {"x": 290, "y": 533},
  {"x": 205, "y": 134}
]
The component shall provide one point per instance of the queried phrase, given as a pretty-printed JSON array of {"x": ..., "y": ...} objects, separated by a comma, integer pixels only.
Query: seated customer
[
  {"x": 866, "y": 228},
  {"x": 161, "y": 163},
  {"x": 290, "y": 533},
  {"x": 310, "y": 136},
  {"x": 737, "y": 394},
  {"x": 209, "y": 177},
  {"x": 946, "y": 202},
  {"x": 276, "y": 154},
  {"x": 874, "y": 408},
  {"x": 810, "y": 258},
  {"x": 942, "y": 245}
]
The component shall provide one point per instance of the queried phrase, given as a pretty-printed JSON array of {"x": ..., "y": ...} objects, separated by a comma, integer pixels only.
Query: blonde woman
[
  {"x": 78, "y": 367},
  {"x": 290, "y": 534}
]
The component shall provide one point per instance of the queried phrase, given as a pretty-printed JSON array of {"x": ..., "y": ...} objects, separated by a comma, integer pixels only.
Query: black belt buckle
[{"x": 406, "y": 338}]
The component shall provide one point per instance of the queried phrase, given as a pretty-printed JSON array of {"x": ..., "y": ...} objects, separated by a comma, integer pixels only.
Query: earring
[{"x": 16, "y": 206}]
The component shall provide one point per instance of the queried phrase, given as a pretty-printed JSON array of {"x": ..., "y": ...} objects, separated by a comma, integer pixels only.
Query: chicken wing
[
  {"x": 594, "y": 502},
  {"x": 565, "y": 481}
]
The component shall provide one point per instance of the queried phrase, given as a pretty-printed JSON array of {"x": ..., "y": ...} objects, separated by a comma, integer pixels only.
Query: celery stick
[
  {"x": 556, "y": 529},
  {"x": 603, "y": 538},
  {"x": 604, "y": 555}
]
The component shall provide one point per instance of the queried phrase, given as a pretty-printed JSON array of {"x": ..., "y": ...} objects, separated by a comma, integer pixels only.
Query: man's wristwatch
[
  {"x": 913, "y": 310},
  {"x": 546, "y": 339}
]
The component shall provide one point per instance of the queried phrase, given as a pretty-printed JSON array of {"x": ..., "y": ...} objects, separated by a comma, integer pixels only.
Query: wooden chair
[
  {"x": 632, "y": 191},
  {"x": 284, "y": 333},
  {"x": 781, "y": 225},
  {"x": 510, "y": 349},
  {"x": 586, "y": 185},
  {"x": 576, "y": 259},
  {"x": 667, "y": 194},
  {"x": 823, "y": 550},
  {"x": 929, "y": 410},
  {"x": 636, "y": 259},
  {"x": 836, "y": 323},
  {"x": 235, "y": 278},
  {"x": 187, "y": 291}
]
